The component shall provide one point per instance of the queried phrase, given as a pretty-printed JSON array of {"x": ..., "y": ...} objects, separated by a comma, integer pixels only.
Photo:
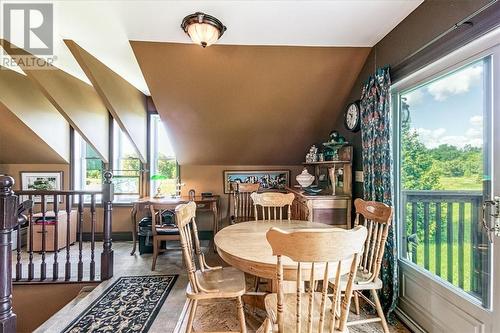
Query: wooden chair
[
  {"x": 243, "y": 210},
  {"x": 321, "y": 251},
  {"x": 270, "y": 205},
  {"x": 206, "y": 282},
  {"x": 161, "y": 232},
  {"x": 377, "y": 218}
]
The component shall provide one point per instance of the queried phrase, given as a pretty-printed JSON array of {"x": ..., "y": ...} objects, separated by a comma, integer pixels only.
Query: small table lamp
[{"x": 161, "y": 178}]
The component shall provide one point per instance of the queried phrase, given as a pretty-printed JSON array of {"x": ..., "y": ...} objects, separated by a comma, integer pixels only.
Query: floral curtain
[{"x": 377, "y": 168}]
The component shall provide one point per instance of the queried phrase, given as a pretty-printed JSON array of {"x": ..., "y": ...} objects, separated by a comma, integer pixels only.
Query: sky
[{"x": 449, "y": 110}]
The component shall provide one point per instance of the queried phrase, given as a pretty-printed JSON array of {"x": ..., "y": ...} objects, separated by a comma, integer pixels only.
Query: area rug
[{"x": 130, "y": 304}]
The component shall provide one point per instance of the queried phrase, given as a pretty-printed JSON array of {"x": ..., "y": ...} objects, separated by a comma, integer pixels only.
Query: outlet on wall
[{"x": 358, "y": 176}]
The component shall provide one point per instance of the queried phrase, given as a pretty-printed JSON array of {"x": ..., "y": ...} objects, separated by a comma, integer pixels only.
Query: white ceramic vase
[{"x": 305, "y": 179}]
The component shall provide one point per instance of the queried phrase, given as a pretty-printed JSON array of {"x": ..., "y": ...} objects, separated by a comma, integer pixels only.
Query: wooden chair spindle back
[
  {"x": 377, "y": 218},
  {"x": 243, "y": 210},
  {"x": 272, "y": 205},
  {"x": 318, "y": 248},
  {"x": 185, "y": 219}
]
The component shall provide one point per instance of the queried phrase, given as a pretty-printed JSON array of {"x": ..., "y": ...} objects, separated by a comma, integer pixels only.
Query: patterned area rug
[{"x": 129, "y": 305}]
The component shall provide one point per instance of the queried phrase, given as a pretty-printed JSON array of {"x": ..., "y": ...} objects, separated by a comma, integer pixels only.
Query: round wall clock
[{"x": 352, "y": 117}]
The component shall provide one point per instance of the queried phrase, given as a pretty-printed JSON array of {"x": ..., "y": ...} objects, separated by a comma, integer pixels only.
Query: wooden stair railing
[
  {"x": 11, "y": 205},
  {"x": 44, "y": 239},
  {"x": 8, "y": 221}
]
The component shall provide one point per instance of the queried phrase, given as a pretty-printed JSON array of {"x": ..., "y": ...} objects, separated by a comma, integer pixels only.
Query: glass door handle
[{"x": 495, "y": 214}]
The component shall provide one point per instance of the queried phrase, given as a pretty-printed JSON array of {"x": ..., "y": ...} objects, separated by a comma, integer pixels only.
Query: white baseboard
[{"x": 410, "y": 323}]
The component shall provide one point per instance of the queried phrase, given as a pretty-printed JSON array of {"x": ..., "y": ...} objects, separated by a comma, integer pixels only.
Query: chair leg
[
  {"x": 192, "y": 312},
  {"x": 380, "y": 312},
  {"x": 356, "y": 302},
  {"x": 241, "y": 315},
  {"x": 257, "y": 282},
  {"x": 155, "y": 254}
]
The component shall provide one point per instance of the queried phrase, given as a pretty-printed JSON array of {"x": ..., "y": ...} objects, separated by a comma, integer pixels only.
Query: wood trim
[
  {"x": 71, "y": 158},
  {"x": 470, "y": 28}
]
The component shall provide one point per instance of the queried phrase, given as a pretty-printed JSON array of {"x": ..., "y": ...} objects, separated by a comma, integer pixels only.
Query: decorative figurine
[
  {"x": 312, "y": 155},
  {"x": 336, "y": 141}
]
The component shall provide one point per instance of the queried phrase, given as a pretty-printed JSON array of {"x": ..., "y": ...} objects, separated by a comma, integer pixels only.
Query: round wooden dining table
[{"x": 244, "y": 246}]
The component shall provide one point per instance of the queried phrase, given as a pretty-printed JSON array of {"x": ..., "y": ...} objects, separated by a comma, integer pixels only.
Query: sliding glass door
[{"x": 445, "y": 148}]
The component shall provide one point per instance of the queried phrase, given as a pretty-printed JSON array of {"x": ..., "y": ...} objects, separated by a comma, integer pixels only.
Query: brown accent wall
[
  {"x": 209, "y": 178},
  {"x": 14, "y": 170},
  {"x": 426, "y": 22},
  {"x": 34, "y": 304},
  {"x": 247, "y": 105}
]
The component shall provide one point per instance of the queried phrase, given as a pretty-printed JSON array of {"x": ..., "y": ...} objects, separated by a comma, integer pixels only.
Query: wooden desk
[
  {"x": 244, "y": 246},
  {"x": 210, "y": 204}
]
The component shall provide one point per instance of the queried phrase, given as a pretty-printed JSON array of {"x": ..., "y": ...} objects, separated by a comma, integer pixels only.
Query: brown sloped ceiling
[
  {"x": 76, "y": 100},
  {"x": 125, "y": 102},
  {"x": 247, "y": 105}
]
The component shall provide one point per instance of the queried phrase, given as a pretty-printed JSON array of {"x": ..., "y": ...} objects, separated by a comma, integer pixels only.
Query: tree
[{"x": 417, "y": 165}]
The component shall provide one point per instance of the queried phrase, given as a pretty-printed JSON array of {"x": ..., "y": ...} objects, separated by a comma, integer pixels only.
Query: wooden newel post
[
  {"x": 107, "y": 251},
  {"x": 8, "y": 221}
]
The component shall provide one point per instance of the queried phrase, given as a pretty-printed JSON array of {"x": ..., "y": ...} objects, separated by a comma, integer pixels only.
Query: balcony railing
[{"x": 443, "y": 234}]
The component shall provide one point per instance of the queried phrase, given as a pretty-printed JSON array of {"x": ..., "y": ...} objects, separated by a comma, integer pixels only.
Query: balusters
[
  {"x": 426, "y": 235},
  {"x": 475, "y": 249},
  {"x": 449, "y": 241},
  {"x": 80, "y": 237},
  {"x": 50, "y": 233},
  {"x": 43, "y": 265},
  {"x": 55, "y": 266},
  {"x": 414, "y": 226},
  {"x": 67, "y": 266},
  {"x": 438, "y": 239},
  {"x": 19, "y": 265},
  {"x": 461, "y": 233},
  {"x": 92, "y": 237},
  {"x": 107, "y": 251},
  {"x": 31, "y": 265}
]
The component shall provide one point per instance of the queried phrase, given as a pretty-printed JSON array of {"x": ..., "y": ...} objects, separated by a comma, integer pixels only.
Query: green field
[{"x": 460, "y": 183}]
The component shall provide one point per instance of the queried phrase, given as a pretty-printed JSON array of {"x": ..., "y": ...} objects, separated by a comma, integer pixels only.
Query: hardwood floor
[{"x": 211, "y": 316}]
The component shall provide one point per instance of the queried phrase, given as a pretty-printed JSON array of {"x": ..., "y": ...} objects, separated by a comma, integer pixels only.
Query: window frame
[
  {"x": 117, "y": 135},
  {"x": 486, "y": 46},
  {"x": 152, "y": 155},
  {"x": 77, "y": 167}
]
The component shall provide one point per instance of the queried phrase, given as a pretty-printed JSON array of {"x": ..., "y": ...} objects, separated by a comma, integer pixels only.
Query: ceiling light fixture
[{"x": 203, "y": 29}]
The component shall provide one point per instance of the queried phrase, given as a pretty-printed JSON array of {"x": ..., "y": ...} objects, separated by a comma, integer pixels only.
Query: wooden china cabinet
[{"x": 333, "y": 204}]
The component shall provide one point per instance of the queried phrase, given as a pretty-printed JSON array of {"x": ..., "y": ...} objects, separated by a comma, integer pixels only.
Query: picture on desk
[{"x": 268, "y": 179}]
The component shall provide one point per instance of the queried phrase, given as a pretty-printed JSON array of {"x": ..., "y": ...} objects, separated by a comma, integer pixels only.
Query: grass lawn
[
  {"x": 466, "y": 263},
  {"x": 460, "y": 183},
  {"x": 467, "y": 269}
]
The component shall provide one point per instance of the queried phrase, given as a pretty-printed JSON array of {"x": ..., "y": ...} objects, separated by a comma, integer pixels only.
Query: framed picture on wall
[
  {"x": 42, "y": 180},
  {"x": 268, "y": 179}
]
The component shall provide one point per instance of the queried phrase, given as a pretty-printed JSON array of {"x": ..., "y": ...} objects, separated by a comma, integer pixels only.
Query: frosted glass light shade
[
  {"x": 203, "y": 34},
  {"x": 202, "y": 28}
]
